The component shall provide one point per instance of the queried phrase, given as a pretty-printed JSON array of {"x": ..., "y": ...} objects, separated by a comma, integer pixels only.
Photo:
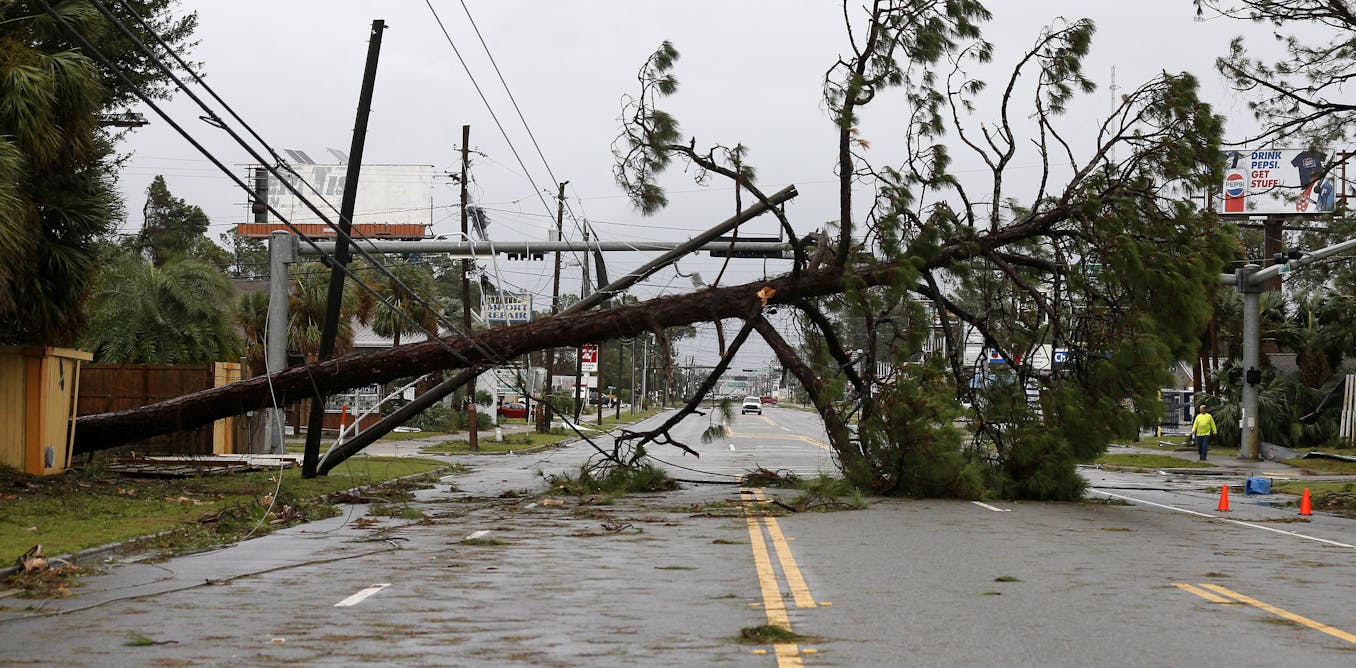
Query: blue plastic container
[{"x": 1257, "y": 486}]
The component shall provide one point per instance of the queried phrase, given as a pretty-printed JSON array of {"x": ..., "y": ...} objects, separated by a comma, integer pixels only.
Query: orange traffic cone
[
  {"x": 1223, "y": 499},
  {"x": 1305, "y": 508}
]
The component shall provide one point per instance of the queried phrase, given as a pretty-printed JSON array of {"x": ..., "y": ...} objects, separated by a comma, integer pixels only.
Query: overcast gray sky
[{"x": 750, "y": 72}]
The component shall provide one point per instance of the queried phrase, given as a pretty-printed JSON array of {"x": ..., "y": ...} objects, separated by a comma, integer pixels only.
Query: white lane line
[
  {"x": 785, "y": 428},
  {"x": 1222, "y": 519},
  {"x": 361, "y": 596},
  {"x": 477, "y": 534},
  {"x": 981, "y": 504}
]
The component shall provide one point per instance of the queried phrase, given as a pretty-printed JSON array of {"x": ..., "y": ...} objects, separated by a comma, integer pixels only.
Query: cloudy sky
[{"x": 751, "y": 72}]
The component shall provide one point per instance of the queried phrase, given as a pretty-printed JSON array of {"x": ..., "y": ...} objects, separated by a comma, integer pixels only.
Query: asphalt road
[{"x": 1154, "y": 577}]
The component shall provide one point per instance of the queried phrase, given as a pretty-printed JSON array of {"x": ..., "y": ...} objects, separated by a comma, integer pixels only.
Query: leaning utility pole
[
  {"x": 330, "y": 328},
  {"x": 472, "y": 435}
]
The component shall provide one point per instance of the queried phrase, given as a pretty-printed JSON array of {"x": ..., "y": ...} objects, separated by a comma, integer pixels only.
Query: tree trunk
[{"x": 107, "y": 430}]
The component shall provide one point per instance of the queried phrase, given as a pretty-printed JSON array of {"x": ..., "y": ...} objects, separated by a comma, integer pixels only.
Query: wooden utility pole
[
  {"x": 645, "y": 376},
  {"x": 544, "y": 408},
  {"x": 329, "y": 329},
  {"x": 579, "y": 354},
  {"x": 472, "y": 435},
  {"x": 598, "y": 381}
]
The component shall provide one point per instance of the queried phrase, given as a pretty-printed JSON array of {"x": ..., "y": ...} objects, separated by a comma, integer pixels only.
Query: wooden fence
[{"x": 106, "y": 388}]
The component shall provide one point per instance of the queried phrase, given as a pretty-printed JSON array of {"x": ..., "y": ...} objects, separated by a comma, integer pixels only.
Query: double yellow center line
[
  {"x": 785, "y": 437},
  {"x": 774, "y": 603},
  {"x": 1217, "y": 594}
]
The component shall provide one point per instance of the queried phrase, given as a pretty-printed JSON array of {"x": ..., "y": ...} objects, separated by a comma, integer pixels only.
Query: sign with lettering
[
  {"x": 1278, "y": 181},
  {"x": 506, "y": 307},
  {"x": 387, "y": 194},
  {"x": 588, "y": 358}
]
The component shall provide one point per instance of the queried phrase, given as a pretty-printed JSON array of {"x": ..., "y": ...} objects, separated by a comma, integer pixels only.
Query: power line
[
  {"x": 216, "y": 121},
  {"x": 537, "y": 190}
]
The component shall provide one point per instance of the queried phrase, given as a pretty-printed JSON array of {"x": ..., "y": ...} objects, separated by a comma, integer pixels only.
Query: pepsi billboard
[{"x": 1266, "y": 181}]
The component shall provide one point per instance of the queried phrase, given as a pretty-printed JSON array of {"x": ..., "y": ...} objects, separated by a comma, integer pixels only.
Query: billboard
[
  {"x": 1266, "y": 181},
  {"x": 506, "y": 307},
  {"x": 387, "y": 194}
]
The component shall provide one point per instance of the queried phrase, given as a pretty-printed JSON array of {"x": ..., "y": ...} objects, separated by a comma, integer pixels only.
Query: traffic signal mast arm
[{"x": 1249, "y": 281}]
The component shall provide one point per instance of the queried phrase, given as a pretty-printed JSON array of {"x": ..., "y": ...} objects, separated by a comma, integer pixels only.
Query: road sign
[{"x": 588, "y": 358}]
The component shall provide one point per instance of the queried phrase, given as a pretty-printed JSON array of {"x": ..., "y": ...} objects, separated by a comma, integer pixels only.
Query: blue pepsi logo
[{"x": 1233, "y": 185}]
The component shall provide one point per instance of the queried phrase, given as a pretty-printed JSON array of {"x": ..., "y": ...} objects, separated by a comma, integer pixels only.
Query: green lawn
[
  {"x": 1149, "y": 461},
  {"x": 591, "y": 418},
  {"x": 486, "y": 443},
  {"x": 1335, "y": 496},
  {"x": 1320, "y": 465},
  {"x": 68, "y": 513},
  {"x": 1315, "y": 488},
  {"x": 532, "y": 439},
  {"x": 298, "y": 445}
]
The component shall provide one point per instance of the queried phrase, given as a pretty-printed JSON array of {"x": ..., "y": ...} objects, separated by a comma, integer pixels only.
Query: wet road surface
[{"x": 1143, "y": 572}]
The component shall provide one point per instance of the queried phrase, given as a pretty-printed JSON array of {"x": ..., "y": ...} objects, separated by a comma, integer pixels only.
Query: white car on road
[{"x": 751, "y": 405}]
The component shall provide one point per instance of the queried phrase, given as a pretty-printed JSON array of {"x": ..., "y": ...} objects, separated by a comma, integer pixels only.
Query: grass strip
[
  {"x": 77, "y": 511},
  {"x": 1149, "y": 461}
]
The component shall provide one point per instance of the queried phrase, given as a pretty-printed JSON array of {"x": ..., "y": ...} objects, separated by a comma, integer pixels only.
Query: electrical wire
[
  {"x": 504, "y": 83},
  {"x": 537, "y": 190},
  {"x": 217, "y": 122},
  {"x": 448, "y": 36}
]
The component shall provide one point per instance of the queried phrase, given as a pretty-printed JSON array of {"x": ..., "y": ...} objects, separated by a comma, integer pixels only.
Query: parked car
[
  {"x": 513, "y": 411},
  {"x": 751, "y": 405},
  {"x": 769, "y": 400}
]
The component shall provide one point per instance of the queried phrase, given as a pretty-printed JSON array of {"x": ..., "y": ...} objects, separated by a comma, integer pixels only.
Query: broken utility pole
[{"x": 330, "y": 328}]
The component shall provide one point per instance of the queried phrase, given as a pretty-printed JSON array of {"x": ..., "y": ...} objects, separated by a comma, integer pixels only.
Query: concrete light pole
[
  {"x": 1252, "y": 292},
  {"x": 282, "y": 250},
  {"x": 1250, "y": 281}
]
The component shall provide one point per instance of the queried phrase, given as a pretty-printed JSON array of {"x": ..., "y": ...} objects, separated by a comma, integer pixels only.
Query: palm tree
[
  {"x": 251, "y": 316},
  {"x": 306, "y": 311},
  {"x": 175, "y": 314},
  {"x": 406, "y": 282},
  {"x": 56, "y": 195}
]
